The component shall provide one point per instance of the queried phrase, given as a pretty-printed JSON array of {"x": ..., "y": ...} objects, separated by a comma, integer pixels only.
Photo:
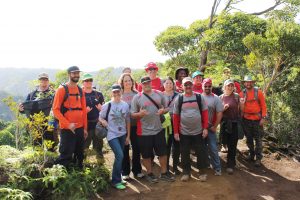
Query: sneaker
[
  {"x": 185, "y": 178},
  {"x": 203, "y": 177},
  {"x": 124, "y": 182},
  {"x": 119, "y": 186},
  {"x": 257, "y": 163},
  {"x": 125, "y": 177},
  {"x": 140, "y": 175},
  {"x": 167, "y": 177},
  {"x": 229, "y": 170},
  {"x": 218, "y": 172},
  {"x": 176, "y": 172},
  {"x": 151, "y": 178}
]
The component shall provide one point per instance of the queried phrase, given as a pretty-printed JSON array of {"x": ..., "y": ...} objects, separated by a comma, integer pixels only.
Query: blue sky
[{"x": 93, "y": 34}]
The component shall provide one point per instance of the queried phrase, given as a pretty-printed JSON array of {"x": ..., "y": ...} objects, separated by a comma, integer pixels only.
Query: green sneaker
[{"x": 119, "y": 186}]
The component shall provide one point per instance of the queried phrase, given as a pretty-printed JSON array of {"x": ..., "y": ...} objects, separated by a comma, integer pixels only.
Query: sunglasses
[
  {"x": 88, "y": 80},
  {"x": 209, "y": 86},
  {"x": 151, "y": 69},
  {"x": 188, "y": 84},
  {"x": 43, "y": 79}
]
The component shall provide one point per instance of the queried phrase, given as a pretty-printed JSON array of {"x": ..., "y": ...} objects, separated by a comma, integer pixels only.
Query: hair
[
  {"x": 125, "y": 69},
  {"x": 171, "y": 79},
  {"x": 223, "y": 88},
  {"x": 121, "y": 81}
]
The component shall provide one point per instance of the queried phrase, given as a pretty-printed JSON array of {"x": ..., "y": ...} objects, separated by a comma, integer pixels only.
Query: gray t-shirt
[
  {"x": 190, "y": 119},
  {"x": 127, "y": 97},
  {"x": 118, "y": 117},
  {"x": 150, "y": 124},
  {"x": 214, "y": 105}
]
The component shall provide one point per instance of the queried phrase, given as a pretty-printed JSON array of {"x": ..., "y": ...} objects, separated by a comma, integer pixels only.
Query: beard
[{"x": 75, "y": 79}]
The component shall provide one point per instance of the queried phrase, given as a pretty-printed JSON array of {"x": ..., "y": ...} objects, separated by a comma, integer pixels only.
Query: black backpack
[
  {"x": 63, "y": 109},
  {"x": 180, "y": 102}
]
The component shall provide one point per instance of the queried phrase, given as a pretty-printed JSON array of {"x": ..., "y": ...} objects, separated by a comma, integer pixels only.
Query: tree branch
[{"x": 278, "y": 2}]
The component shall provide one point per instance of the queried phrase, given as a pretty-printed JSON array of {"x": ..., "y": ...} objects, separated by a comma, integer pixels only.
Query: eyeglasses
[{"x": 88, "y": 80}]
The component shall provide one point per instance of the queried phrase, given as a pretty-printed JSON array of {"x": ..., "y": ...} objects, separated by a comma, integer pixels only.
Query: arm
[{"x": 263, "y": 107}]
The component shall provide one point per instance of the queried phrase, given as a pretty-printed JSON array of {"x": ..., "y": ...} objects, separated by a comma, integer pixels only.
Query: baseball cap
[
  {"x": 115, "y": 87},
  {"x": 248, "y": 78},
  {"x": 228, "y": 81},
  {"x": 73, "y": 69},
  {"x": 187, "y": 79},
  {"x": 145, "y": 79},
  {"x": 197, "y": 73},
  {"x": 151, "y": 65},
  {"x": 43, "y": 75},
  {"x": 87, "y": 76},
  {"x": 207, "y": 80}
]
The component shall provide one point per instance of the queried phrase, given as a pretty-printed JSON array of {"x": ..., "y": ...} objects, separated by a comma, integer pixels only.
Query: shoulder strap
[
  {"x": 173, "y": 97},
  {"x": 256, "y": 94},
  {"x": 151, "y": 100},
  {"x": 32, "y": 94},
  {"x": 80, "y": 91},
  {"x": 67, "y": 94},
  {"x": 108, "y": 110},
  {"x": 180, "y": 102},
  {"x": 198, "y": 97}
]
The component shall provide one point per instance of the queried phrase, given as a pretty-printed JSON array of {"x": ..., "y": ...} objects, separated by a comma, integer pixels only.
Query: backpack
[
  {"x": 255, "y": 94},
  {"x": 180, "y": 102},
  {"x": 67, "y": 95}
]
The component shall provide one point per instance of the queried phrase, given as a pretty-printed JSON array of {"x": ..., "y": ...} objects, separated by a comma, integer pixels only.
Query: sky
[{"x": 93, "y": 34}]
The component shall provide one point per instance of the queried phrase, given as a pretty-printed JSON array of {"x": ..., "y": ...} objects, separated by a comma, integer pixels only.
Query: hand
[
  {"x": 104, "y": 123},
  {"x": 262, "y": 122},
  {"x": 160, "y": 111},
  {"x": 21, "y": 107},
  {"x": 88, "y": 109},
  {"x": 85, "y": 132},
  {"x": 72, "y": 127},
  {"x": 213, "y": 129},
  {"x": 226, "y": 106},
  {"x": 205, "y": 133},
  {"x": 143, "y": 112},
  {"x": 99, "y": 106},
  {"x": 176, "y": 137},
  {"x": 127, "y": 141},
  {"x": 242, "y": 100}
]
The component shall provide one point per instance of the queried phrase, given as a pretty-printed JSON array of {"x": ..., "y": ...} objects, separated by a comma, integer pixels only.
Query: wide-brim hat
[{"x": 248, "y": 78}]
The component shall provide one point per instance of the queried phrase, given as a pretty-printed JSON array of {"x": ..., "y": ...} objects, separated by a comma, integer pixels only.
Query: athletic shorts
[{"x": 148, "y": 143}]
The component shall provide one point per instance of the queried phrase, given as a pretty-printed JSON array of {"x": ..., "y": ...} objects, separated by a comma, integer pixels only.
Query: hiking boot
[
  {"x": 229, "y": 170},
  {"x": 203, "y": 177},
  {"x": 257, "y": 163},
  {"x": 176, "y": 172},
  {"x": 151, "y": 178},
  {"x": 250, "y": 158},
  {"x": 119, "y": 186},
  {"x": 167, "y": 177},
  {"x": 185, "y": 177},
  {"x": 139, "y": 175},
  {"x": 218, "y": 172}
]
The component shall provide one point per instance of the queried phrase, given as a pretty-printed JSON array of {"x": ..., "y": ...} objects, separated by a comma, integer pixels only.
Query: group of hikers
[{"x": 157, "y": 118}]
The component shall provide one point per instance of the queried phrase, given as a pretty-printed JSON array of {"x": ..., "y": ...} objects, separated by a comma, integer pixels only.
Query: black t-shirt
[{"x": 93, "y": 99}]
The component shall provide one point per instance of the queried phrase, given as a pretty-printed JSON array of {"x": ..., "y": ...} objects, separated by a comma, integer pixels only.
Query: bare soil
[{"x": 278, "y": 178}]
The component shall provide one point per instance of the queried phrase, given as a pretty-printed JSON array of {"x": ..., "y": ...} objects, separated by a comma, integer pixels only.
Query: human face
[
  {"x": 152, "y": 72},
  {"x": 227, "y": 74},
  {"x": 44, "y": 82},
  {"x": 181, "y": 74},
  {"x": 88, "y": 83},
  {"x": 168, "y": 85},
  {"x": 229, "y": 88},
  {"x": 127, "y": 82},
  {"x": 249, "y": 84},
  {"x": 188, "y": 88},
  {"x": 116, "y": 95},
  {"x": 207, "y": 88},
  {"x": 198, "y": 80},
  {"x": 74, "y": 76},
  {"x": 147, "y": 87}
]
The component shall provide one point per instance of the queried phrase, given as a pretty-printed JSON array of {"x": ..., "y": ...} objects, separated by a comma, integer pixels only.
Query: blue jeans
[
  {"x": 117, "y": 146},
  {"x": 213, "y": 150}
]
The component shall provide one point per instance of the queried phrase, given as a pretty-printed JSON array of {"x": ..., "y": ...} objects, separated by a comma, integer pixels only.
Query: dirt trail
[{"x": 276, "y": 179}]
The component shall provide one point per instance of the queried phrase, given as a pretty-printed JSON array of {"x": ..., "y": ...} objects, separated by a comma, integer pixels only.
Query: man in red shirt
[
  {"x": 69, "y": 107},
  {"x": 156, "y": 82},
  {"x": 254, "y": 115}
]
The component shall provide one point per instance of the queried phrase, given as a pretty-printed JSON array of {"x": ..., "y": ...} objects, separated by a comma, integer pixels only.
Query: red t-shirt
[
  {"x": 178, "y": 86},
  {"x": 198, "y": 89}
]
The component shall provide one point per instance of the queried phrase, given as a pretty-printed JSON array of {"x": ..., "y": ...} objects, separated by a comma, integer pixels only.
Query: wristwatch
[{"x": 265, "y": 117}]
